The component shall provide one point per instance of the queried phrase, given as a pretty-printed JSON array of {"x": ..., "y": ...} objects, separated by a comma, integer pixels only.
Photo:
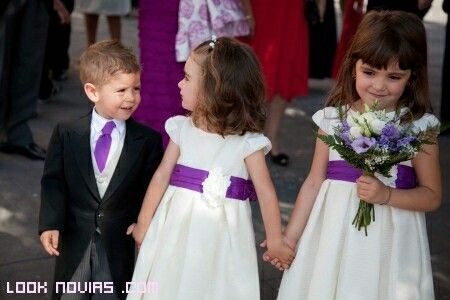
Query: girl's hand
[
  {"x": 275, "y": 261},
  {"x": 287, "y": 241},
  {"x": 138, "y": 232},
  {"x": 372, "y": 190},
  {"x": 282, "y": 252}
]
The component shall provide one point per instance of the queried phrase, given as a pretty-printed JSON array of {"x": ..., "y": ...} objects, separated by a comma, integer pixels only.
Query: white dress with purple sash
[
  {"x": 336, "y": 261},
  {"x": 202, "y": 245}
]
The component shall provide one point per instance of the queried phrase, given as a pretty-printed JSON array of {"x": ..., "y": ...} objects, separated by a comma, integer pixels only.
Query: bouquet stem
[{"x": 365, "y": 214}]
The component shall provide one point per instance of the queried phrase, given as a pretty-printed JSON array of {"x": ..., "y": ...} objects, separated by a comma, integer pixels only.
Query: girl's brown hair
[
  {"x": 382, "y": 38},
  {"x": 232, "y": 96}
]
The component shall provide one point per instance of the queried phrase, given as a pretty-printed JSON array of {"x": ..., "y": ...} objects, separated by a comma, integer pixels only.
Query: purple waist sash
[
  {"x": 192, "y": 179},
  {"x": 342, "y": 170}
]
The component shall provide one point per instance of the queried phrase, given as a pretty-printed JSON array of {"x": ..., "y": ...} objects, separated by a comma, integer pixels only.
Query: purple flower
[
  {"x": 390, "y": 131},
  {"x": 345, "y": 126},
  {"x": 384, "y": 141},
  {"x": 405, "y": 141},
  {"x": 362, "y": 144},
  {"x": 346, "y": 138}
]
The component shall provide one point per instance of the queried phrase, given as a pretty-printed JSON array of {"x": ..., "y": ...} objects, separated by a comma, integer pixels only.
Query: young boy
[{"x": 95, "y": 176}]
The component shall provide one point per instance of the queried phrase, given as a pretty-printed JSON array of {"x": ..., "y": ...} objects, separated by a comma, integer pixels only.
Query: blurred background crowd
[{"x": 295, "y": 40}]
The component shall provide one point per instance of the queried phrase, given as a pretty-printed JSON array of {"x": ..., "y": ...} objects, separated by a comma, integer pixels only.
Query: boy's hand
[
  {"x": 49, "y": 240},
  {"x": 372, "y": 190}
]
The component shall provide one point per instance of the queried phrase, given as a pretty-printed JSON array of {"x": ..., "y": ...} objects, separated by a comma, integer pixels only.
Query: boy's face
[
  {"x": 386, "y": 85},
  {"x": 190, "y": 85},
  {"x": 118, "y": 98}
]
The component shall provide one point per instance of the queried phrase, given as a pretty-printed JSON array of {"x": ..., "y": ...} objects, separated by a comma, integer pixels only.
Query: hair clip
[{"x": 213, "y": 42}]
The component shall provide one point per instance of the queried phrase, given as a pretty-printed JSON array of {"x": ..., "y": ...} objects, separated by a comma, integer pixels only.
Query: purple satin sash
[
  {"x": 342, "y": 170},
  {"x": 192, "y": 179}
]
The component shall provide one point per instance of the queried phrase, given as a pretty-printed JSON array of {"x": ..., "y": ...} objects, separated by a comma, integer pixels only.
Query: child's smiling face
[
  {"x": 386, "y": 85},
  {"x": 190, "y": 85},
  {"x": 118, "y": 98}
]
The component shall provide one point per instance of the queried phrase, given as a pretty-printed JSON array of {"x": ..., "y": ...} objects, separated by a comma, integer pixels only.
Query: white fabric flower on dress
[{"x": 215, "y": 187}]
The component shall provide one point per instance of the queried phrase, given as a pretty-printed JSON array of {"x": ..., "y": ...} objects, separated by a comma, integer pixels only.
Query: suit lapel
[
  {"x": 131, "y": 150},
  {"x": 81, "y": 147}
]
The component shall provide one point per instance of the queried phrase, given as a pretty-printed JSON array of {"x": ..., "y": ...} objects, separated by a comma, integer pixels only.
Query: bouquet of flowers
[{"x": 374, "y": 142}]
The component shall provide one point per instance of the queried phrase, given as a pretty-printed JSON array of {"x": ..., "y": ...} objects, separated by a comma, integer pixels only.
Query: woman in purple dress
[{"x": 160, "y": 96}]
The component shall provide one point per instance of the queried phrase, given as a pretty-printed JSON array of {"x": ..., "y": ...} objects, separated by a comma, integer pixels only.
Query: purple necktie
[{"x": 103, "y": 144}]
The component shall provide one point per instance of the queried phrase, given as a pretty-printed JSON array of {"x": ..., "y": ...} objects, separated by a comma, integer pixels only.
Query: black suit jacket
[{"x": 70, "y": 201}]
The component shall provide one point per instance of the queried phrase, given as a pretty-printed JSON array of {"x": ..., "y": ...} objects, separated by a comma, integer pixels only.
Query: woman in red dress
[
  {"x": 353, "y": 14},
  {"x": 280, "y": 40}
]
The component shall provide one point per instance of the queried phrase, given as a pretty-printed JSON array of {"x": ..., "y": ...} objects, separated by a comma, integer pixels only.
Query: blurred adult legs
[
  {"x": 57, "y": 60},
  {"x": 114, "y": 27},
  {"x": 91, "y": 21},
  {"x": 276, "y": 112},
  {"x": 23, "y": 35}
]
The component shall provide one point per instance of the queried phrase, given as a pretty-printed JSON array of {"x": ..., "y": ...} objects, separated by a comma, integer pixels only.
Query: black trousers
[
  {"x": 94, "y": 268},
  {"x": 23, "y": 32},
  {"x": 56, "y": 50}
]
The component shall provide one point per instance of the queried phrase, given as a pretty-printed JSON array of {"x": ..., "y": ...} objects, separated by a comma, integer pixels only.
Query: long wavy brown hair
[
  {"x": 232, "y": 96},
  {"x": 382, "y": 38}
]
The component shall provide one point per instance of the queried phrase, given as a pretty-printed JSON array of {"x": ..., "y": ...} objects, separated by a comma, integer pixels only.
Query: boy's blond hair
[{"x": 104, "y": 59}]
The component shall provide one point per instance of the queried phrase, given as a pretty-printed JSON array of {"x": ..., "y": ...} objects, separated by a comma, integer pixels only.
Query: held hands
[
  {"x": 137, "y": 230},
  {"x": 49, "y": 240},
  {"x": 280, "y": 255},
  {"x": 372, "y": 190}
]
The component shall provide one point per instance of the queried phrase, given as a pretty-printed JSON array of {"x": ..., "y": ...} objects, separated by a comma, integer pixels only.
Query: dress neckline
[{"x": 201, "y": 130}]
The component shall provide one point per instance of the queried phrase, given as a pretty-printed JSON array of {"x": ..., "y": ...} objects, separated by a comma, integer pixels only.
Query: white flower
[
  {"x": 365, "y": 130},
  {"x": 355, "y": 132},
  {"x": 377, "y": 125},
  {"x": 352, "y": 120},
  {"x": 215, "y": 187},
  {"x": 358, "y": 126},
  {"x": 368, "y": 116}
]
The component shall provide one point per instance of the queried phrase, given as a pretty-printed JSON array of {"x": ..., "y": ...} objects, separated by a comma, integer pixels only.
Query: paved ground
[{"x": 21, "y": 256}]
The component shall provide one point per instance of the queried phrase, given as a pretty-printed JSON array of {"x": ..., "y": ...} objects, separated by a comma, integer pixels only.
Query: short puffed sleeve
[
  {"x": 327, "y": 119},
  {"x": 426, "y": 121},
  {"x": 173, "y": 127},
  {"x": 255, "y": 142}
]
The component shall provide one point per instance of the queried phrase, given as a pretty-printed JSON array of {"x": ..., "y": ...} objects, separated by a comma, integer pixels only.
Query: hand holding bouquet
[{"x": 374, "y": 141}]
